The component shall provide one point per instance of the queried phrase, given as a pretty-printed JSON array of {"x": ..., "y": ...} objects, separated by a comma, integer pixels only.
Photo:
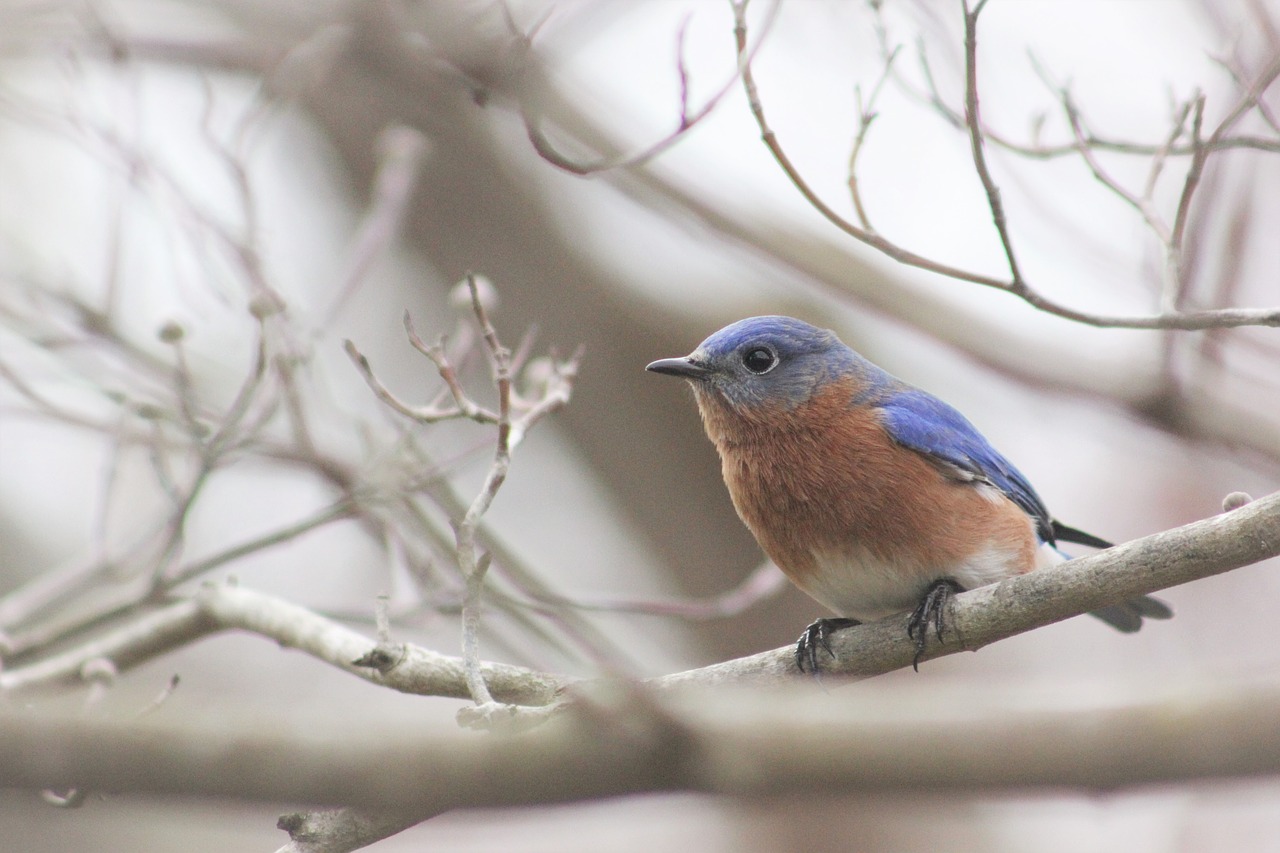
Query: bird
[{"x": 873, "y": 496}]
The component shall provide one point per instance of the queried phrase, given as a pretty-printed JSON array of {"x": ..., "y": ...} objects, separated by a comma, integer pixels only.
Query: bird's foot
[
  {"x": 930, "y": 611},
  {"x": 817, "y": 636}
]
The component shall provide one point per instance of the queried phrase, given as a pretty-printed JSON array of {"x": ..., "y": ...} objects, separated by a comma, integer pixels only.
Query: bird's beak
[{"x": 686, "y": 367}]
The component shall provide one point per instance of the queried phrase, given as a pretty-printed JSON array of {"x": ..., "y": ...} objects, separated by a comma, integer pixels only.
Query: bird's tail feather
[
  {"x": 1071, "y": 534},
  {"x": 1128, "y": 616}
]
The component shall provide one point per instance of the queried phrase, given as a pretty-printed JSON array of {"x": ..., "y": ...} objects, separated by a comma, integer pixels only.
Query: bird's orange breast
[{"x": 847, "y": 513}]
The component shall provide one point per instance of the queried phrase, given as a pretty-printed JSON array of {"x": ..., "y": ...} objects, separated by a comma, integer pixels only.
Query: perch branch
[
  {"x": 982, "y": 616},
  {"x": 1245, "y": 535},
  {"x": 739, "y": 743}
]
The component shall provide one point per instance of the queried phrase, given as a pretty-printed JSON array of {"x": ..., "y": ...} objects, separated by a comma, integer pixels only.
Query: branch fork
[{"x": 551, "y": 382}]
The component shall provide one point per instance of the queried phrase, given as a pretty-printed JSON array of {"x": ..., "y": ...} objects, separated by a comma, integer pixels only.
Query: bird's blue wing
[{"x": 923, "y": 423}]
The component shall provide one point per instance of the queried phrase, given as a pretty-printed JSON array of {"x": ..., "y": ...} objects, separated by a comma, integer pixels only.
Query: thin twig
[
  {"x": 588, "y": 642},
  {"x": 931, "y": 96},
  {"x": 1186, "y": 320},
  {"x": 401, "y": 151},
  {"x": 1171, "y": 300},
  {"x": 466, "y": 407},
  {"x": 251, "y": 57},
  {"x": 1142, "y": 204},
  {"x": 475, "y": 565},
  {"x": 686, "y": 121},
  {"x": 463, "y": 408},
  {"x": 866, "y": 115},
  {"x": 770, "y": 139},
  {"x": 106, "y": 604},
  {"x": 763, "y": 583},
  {"x": 682, "y": 71},
  {"x": 973, "y": 122},
  {"x": 553, "y": 393},
  {"x": 1177, "y": 128},
  {"x": 472, "y": 604}
]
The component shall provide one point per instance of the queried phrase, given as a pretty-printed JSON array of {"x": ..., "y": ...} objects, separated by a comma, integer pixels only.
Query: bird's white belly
[{"x": 855, "y": 583}]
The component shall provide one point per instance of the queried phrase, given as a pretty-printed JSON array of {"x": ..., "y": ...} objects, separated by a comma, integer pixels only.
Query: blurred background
[{"x": 187, "y": 188}]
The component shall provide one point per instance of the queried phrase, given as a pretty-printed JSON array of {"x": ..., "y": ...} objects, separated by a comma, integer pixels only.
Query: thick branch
[
  {"x": 735, "y": 742},
  {"x": 655, "y": 753},
  {"x": 728, "y": 741}
]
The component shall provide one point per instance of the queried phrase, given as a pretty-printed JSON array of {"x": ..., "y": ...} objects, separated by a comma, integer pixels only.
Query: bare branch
[
  {"x": 1142, "y": 204},
  {"x": 729, "y": 742},
  {"x": 1242, "y": 536},
  {"x": 1192, "y": 180},
  {"x": 553, "y": 391},
  {"x": 1186, "y": 320},
  {"x": 682, "y": 71},
  {"x": 597, "y": 646},
  {"x": 400, "y": 154},
  {"x": 982, "y": 616},
  {"x": 1239, "y": 75},
  {"x": 346, "y": 829},
  {"x": 464, "y": 408},
  {"x": 931, "y": 96},
  {"x": 1177, "y": 128},
  {"x": 765, "y": 582},
  {"x": 973, "y": 122},
  {"x": 138, "y": 640},
  {"x": 866, "y": 115},
  {"x": 556, "y": 388},
  {"x": 686, "y": 121},
  {"x": 335, "y": 512},
  {"x": 105, "y": 604},
  {"x": 221, "y": 608},
  {"x": 473, "y": 563}
]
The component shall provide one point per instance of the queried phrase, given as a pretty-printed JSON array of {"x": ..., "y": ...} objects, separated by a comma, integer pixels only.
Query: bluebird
[{"x": 872, "y": 496}]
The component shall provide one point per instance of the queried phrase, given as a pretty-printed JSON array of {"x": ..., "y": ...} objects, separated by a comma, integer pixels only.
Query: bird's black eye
[{"x": 759, "y": 360}]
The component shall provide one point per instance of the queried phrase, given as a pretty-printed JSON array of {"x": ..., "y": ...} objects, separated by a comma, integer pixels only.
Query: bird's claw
[
  {"x": 817, "y": 636},
  {"x": 930, "y": 610}
]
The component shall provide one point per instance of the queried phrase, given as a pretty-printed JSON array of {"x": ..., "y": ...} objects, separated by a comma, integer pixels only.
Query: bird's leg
[
  {"x": 930, "y": 610},
  {"x": 815, "y": 637}
]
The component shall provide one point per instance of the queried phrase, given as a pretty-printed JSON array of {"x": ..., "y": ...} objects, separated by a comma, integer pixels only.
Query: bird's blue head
[{"x": 767, "y": 362}]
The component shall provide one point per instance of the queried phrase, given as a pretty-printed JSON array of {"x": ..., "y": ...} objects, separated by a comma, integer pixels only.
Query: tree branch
[
  {"x": 687, "y": 121},
  {"x": 829, "y": 262},
  {"x": 1015, "y": 284},
  {"x": 729, "y": 742},
  {"x": 982, "y": 616},
  {"x": 973, "y": 120},
  {"x": 1240, "y": 537},
  {"x": 345, "y": 829},
  {"x": 401, "y": 151},
  {"x": 720, "y": 743},
  {"x": 406, "y": 668}
]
